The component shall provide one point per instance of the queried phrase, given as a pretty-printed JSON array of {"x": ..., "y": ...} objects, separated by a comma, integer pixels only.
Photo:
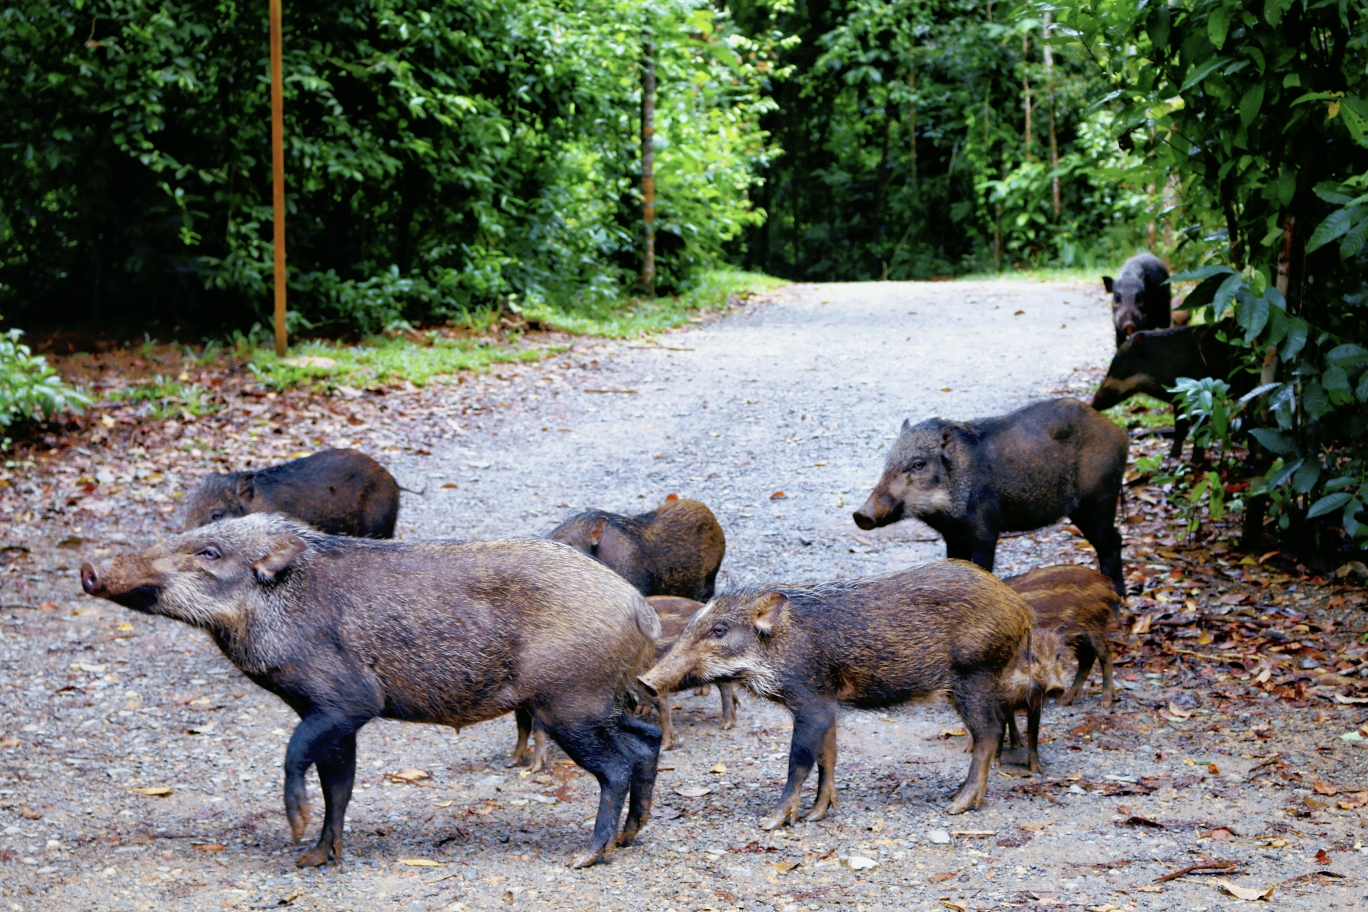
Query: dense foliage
[
  {"x": 1257, "y": 118},
  {"x": 908, "y": 149},
  {"x": 441, "y": 156}
]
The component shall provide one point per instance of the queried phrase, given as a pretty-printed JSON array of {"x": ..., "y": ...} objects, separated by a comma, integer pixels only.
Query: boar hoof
[
  {"x": 1069, "y": 696},
  {"x": 1107, "y": 700},
  {"x": 966, "y": 799},
  {"x": 299, "y": 821},
  {"x": 593, "y": 856},
  {"x": 316, "y": 856},
  {"x": 783, "y": 815}
]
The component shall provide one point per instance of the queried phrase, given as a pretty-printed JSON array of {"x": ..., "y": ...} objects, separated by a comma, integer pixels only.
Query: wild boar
[
  {"x": 1080, "y": 604},
  {"x": 340, "y": 492},
  {"x": 944, "y": 628},
  {"x": 676, "y": 549},
  {"x": 1141, "y": 298},
  {"x": 346, "y": 630},
  {"x": 973, "y": 480}
]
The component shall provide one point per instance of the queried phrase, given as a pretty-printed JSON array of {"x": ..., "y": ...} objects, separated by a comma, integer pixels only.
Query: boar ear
[
  {"x": 246, "y": 489},
  {"x": 907, "y": 424},
  {"x": 596, "y": 530},
  {"x": 1107, "y": 284},
  {"x": 283, "y": 552},
  {"x": 950, "y": 436},
  {"x": 768, "y": 609}
]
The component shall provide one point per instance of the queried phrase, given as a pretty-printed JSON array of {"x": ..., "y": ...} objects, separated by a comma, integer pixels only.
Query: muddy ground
[{"x": 1231, "y": 750}]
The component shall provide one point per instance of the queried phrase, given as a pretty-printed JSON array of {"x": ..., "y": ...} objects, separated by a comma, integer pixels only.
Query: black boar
[
  {"x": 1141, "y": 298},
  {"x": 340, "y": 492},
  {"x": 944, "y": 628},
  {"x": 1080, "y": 604},
  {"x": 675, "y": 549},
  {"x": 346, "y": 630},
  {"x": 973, "y": 480},
  {"x": 1151, "y": 361}
]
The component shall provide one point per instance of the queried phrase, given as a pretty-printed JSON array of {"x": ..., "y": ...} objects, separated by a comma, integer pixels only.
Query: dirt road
[{"x": 798, "y": 395}]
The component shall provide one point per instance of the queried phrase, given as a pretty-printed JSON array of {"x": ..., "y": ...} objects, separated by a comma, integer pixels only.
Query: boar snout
[
  {"x": 1107, "y": 395},
  {"x": 648, "y": 687},
  {"x": 117, "y": 584},
  {"x": 878, "y": 510},
  {"x": 90, "y": 579}
]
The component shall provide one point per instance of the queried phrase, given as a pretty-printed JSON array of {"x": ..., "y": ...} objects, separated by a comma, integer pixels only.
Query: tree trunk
[
  {"x": 1049, "y": 85},
  {"x": 1026, "y": 91},
  {"x": 648, "y": 91}
]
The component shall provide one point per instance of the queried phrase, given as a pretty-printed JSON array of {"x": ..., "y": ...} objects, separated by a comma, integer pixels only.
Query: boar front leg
[
  {"x": 978, "y": 546},
  {"x": 328, "y": 742},
  {"x": 727, "y": 690},
  {"x": 812, "y": 725}
]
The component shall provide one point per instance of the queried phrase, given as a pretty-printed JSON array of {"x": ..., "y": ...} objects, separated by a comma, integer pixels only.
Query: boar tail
[{"x": 648, "y": 622}]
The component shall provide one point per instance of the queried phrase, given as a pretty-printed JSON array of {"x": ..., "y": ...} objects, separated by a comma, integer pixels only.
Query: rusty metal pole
[{"x": 278, "y": 176}]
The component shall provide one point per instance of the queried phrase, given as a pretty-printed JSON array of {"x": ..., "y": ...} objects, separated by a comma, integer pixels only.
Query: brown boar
[
  {"x": 340, "y": 492},
  {"x": 944, "y": 628},
  {"x": 1081, "y": 604},
  {"x": 346, "y": 630},
  {"x": 1036, "y": 674},
  {"x": 676, "y": 549},
  {"x": 973, "y": 480}
]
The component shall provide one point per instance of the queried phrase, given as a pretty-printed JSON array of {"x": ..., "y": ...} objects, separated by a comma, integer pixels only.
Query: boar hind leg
[
  {"x": 646, "y": 744},
  {"x": 599, "y": 746},
  {"x": 1085, "y": 654},
  {"x": 520, "y": 750},
  {"x": 1108, "y": 690},
  {"x": 811, "y": 726},
  {"x": 728, "y": 694},
  {"x": 1097, "y": 522},
  {"x": 983, "y": 717},
  {"x": 329, "y": 743}
]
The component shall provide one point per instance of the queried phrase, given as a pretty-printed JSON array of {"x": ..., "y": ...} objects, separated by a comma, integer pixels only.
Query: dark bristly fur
[
  {"x": 346, "y": 630},
  {"x": 1151, "y": 362},
  {"x": 1081, "y": 604},
  {"x": 1141, "y": 298},
  {"x": 943, "y": 628},
  {"x": 973, "y": 480},
  {"x": 340, "y": 492},
  {"x": 675, "y": 549}
]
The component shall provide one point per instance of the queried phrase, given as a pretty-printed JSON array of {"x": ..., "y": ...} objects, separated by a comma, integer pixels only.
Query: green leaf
[
  {"x": 1251, "y": 104},
  {"x": 1339, "y": 484},
  {"x": 1348, "y": 355},
  {"x": 1336, "y": 224},
  {"x": 1327, "y": 503},
  {"x": 1274, "y": 441},
  {"x": 1305, "y": 477},
  {"x": 1218, "y": 24},
  {"x": 1274, "y": 11},
  {"x": 1216, "y": 501},
  {"x": 1252, "y": 314},
  {"x": 1296, "y": 338},
  {"x": 1283, "y": 471},
  {"x": 1202, "y": 71}
]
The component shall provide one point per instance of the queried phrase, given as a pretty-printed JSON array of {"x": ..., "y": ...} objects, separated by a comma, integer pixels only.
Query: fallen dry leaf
[
  {"x": 952, "y": 732},
  {"x": 718, "y": 768},
  {"x": 979, "y": 833},
  {"x": 30, "y": 814},
  {"x": 1178, "y": 712},
  {"x": 1324, "y": 788},
  {"x": 209, "y": 847},
  {"x": 156, "y": 791},
  {"x": 942, "y": 877},
  {"x": 1246, "y": 893},
  {"x": 951, "y": 904},
  {"x": 783, "y": 867},
  {"x": 778, "y": 495},
  {"x": 693, "y": 791},
  {"x": 420, "y": 862},
  {"x": 1322, "y": 857},
  {"x": 1356, "y": 800},
  {"x": 1142, "y": 624},
  {"x": 10, "y": 742},
  {"x": 444, "y": 804}
]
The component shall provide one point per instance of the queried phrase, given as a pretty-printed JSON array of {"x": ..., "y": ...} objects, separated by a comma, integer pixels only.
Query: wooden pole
[
  {"x": 278, "y": 175},
  {"x": 648, "y": 91},
  {"x": 1054, "y": 143}
]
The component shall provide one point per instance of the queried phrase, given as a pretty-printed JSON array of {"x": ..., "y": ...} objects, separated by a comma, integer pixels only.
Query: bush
[{"x": 28, "y": 387}]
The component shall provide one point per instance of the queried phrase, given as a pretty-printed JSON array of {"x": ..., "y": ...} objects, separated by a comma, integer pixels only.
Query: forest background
[{"x": 460, "y": 163}]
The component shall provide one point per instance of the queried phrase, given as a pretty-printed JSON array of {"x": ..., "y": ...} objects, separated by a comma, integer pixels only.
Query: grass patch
[
  {"x": 162, "y": 397},
  {"x": 423, "y": 356},
  {"x": 1141, "y": 411},
  {"x": 629, "y": 317}
]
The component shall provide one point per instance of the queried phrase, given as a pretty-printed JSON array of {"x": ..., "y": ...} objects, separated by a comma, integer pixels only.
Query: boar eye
[
  {"x": 918, "y": 464},
  {"x": 208, "y": 553},
  {"x": 216, "y": 515},
  {"x": 720, "y": 631}
]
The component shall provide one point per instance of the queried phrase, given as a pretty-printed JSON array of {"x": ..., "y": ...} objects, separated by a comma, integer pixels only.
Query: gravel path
[{"x": 799, "y": 394}]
